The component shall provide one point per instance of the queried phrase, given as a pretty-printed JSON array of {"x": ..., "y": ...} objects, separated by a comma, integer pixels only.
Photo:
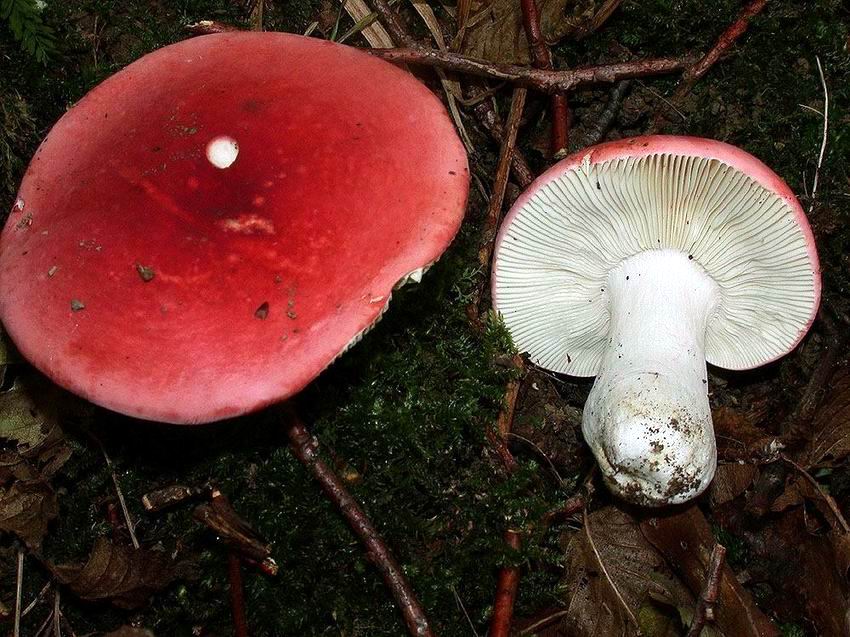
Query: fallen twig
[
  {"x": 542, "y": 59},
  {"x": 16, "y": 631},
  {"x": 36, "y": 599},
  {"x": 610, "y": 581},
  {"x": 705, "y": 605},
  {"x": 393, "y": 23},
  {"x": 825, "y": 134},
  {"x": 840, "y": 520},
  {"x": 602, "y": 123},
  {"x": 127, "y": 519},
  {"x": 492, "y": 123},
  {"x": 234, "y": 532},
  {"x": 506, "y": 590},
  {"x": 57, "y": 614},
  {"x": 699, "y": 68},
  {"x": 306, "y": 449},
  {"x": 532, "y": 629},
  {"x": 237, "y": 595},
  {"x": 545, "y": 81},
  {"x": 497, "y": 199},
  {"x": 726, "y": 40}
]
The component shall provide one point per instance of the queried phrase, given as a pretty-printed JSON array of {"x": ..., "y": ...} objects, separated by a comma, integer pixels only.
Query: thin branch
[
  {"x": 237, "y": 595},
  {"x": 57, "y": 614},
  {"x": 825, "y": 132},
  {"x": 541, "y": 58},
  {"x": 543, "y": 623},
  {"x": 492, "y": 123},
  {"x": 506, "y": 590},
  {"x": 539, "y": 451},
  {"x": 16, "y": 631},
  {"x": 460, "y": 605},
  {"x": 830, "y": 501},
  {"x": 699, "y": 68},
  {"x": 37, "y": 599},
  {"x": 603, "y": 122},
  {"x": 705, "y": 605},
  {"x": 393, "y": 23},
  {"x": 726, "y": 40},
  {"x": 497, "y": 199},
  {"x": 545, "y": 81},
  {"x": 605, "y": 571},
  {"x": 127, "y": 519},
  {"x": 305, "y": 447}
]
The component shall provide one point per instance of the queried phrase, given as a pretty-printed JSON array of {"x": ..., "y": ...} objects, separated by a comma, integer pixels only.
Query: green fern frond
[{"x": 28, "y": 28}]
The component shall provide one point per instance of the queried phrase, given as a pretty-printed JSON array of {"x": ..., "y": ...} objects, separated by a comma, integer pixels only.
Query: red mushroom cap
[{"x": 207, "y": 230}]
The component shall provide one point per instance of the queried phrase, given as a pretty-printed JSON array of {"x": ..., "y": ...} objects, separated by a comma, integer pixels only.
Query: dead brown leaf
[
  {"x": 730, "y": 481},
  {"x": 494, "y": 29},
  {"x": 26, "y": 419},
  {"x": 685, "y": 539},
  {"x": 26, "y": 509},
  {"x": 830, "y": 440},
  {"x": 125, "y": 576},
  {"x": 739, "y": 436},
  {"x": 618, "y": 584},
  {"x": 32, "y": 445}
]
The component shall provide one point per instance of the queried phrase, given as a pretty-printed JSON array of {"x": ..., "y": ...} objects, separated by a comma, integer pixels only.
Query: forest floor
[{"x": 406, "y": 413}]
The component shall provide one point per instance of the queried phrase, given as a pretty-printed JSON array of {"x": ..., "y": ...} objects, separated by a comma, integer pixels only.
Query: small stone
[{"x": 77, "y": 305}]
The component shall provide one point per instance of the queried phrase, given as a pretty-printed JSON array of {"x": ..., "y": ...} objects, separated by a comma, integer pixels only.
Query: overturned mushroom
[
  {"x": 638, "y": 260},
  {"x": 212, "y": 226}
]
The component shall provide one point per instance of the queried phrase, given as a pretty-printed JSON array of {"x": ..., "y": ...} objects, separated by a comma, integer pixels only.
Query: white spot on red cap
[
  {"x": 248, "y": 224},
  {"x": 222, "y": 151}
]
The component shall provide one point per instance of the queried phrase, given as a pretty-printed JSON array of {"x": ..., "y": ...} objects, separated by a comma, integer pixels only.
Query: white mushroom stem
[{"x": 647, "y": 418}]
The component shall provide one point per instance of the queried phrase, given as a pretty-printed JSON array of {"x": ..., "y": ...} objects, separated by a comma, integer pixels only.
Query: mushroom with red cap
[
  {"x": 207, "y": 230},
  {"x": 639, "y": 260}
]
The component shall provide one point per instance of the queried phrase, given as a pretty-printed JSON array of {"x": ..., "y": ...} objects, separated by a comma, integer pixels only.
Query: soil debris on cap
[
  {"x": 145, "y": 273},
  {"x": 77, "y": 305},
  {"x": 262, "y": 312}
]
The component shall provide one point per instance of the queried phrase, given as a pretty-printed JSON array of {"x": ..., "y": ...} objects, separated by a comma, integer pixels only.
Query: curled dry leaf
[
  {"x": 494, "y": 29},
  {"x": 125, "y": 576},
  {"x": 26, "y": 509},
  {"x": 613, "y": 554},
  {"x": 830, "y": 440},
  {"x": 235, "y": 532}
]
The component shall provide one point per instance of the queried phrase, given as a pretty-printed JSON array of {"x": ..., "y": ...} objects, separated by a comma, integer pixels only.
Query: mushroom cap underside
[{"x": 715, "y": 203}]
